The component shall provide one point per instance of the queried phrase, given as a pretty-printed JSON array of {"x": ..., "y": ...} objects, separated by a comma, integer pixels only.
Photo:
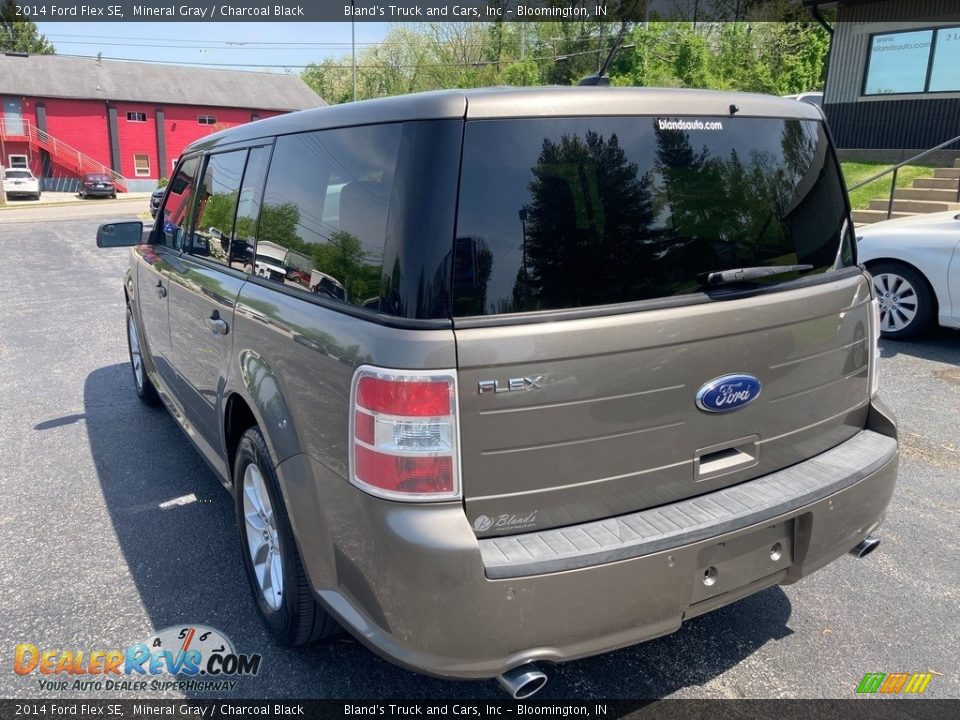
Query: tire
[
  {"x": 289, "y": 610},
  {"x": 141, "y": 382},
  {"x": 114, "y": 196},
  {"x": 908, "y": 307},
  {"x": 37, "y": 196}
]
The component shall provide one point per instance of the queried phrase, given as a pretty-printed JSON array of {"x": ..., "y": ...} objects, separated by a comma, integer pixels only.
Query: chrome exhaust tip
[
  {"x": 865, "y": 546},
  {"x": 523, "y": 682}
]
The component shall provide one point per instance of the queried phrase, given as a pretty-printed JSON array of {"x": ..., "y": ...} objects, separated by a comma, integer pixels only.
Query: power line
[
  {"x": 382, "y": 66},
  {"x": 201, "y": 45},
  {"x": 254, "y": 44}
]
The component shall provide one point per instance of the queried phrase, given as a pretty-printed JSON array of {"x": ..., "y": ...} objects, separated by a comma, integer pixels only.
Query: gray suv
[{"x": 535, "y": 374}]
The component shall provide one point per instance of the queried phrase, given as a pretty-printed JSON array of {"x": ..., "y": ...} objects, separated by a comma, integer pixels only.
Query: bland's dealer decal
[{"x": 179, "y": 658}]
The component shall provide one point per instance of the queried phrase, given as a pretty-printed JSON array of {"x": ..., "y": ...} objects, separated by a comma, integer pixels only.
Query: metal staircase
[{"x": 62, "y": 154}]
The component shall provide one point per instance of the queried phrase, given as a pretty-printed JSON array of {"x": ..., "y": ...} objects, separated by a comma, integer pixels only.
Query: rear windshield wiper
[{"x": 727, "y": 277}]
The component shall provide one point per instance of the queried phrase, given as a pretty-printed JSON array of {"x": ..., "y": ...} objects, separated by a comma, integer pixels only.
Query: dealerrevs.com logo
[{"x": 192, "y": 657}]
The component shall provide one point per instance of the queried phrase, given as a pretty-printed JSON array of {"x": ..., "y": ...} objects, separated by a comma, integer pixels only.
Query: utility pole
[{"x": 353, "y": 46}]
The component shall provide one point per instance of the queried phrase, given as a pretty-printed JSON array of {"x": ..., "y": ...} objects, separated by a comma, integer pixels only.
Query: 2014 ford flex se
[{"x": 535, "y": 374}]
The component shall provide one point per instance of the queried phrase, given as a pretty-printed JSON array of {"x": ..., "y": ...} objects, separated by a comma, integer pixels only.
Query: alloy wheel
[
  {"x": 898, "y": 301},
  {"x": 136, "y": 355},
  {"x": 263, "y": 541}
]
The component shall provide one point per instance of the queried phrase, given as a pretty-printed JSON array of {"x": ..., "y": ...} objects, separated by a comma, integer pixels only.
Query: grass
[{"x": 854, "y": 172}]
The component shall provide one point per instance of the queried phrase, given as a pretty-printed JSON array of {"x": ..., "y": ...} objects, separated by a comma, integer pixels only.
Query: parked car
[
  {"x": 155, "y": 197},
  {"x": 20, "y": 183},
  {"x": 915, "y": 263},
  {"x": 97, "y": 185},
  {"x": 811, "y": 98},
  {"x": 644, "y": 388}
]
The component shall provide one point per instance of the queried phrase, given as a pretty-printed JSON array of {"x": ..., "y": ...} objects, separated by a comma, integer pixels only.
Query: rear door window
[{"x": 575, "y": 212}]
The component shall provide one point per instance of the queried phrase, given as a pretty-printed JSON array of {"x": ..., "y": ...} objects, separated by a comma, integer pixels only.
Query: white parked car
[
  {"x": 20, "y": 183},
  {"x": 915, "y": 263},
  {"x": 811, "y": 98}
]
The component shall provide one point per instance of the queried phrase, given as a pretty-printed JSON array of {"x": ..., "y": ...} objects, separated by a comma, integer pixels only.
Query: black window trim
[
  {"x": 136, "y": 119},
  {"x": 478, "y": 321},
  {"x": 930, "y": 58}
]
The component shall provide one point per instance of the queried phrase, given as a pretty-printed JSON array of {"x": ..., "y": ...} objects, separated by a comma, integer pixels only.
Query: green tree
[
  {"x": 19, "y": 35},
  {"x": 278, "y": 224},
  {"x": 218, "y": 212},
  {"x": 786, "y": 56}
]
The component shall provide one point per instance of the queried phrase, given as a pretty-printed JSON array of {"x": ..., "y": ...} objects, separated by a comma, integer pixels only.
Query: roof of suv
[{"x": 505, "y": 102}]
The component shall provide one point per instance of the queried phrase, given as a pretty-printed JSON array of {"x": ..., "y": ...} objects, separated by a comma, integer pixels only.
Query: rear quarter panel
[{"x": 294, "y": 360}]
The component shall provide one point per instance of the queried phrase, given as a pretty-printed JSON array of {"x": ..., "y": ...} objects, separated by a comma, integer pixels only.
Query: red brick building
[{"x": 64, "y": 116}]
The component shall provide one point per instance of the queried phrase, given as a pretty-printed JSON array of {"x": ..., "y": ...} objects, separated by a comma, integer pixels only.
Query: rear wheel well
[{"x": 238, "y": 417}]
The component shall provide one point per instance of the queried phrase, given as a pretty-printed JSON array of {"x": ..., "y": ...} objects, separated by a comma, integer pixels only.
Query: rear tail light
[{"x": 404, "y": 434}]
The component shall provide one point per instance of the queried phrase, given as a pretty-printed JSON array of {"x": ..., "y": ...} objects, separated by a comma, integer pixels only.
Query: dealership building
[
  {"x": 66, "y": 116},
  {"x": 893, "y": 81}
]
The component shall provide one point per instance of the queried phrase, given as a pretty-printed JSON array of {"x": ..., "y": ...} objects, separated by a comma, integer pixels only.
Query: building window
[
  {"x": 207, "y": 120},
  {"x": 917, "y": 61},
  {"x": 945, "y": 70},
  {"x": 141, "y": 165},
  {"x": 18, "y": 161},
  {"x": 136, "y": 117}
]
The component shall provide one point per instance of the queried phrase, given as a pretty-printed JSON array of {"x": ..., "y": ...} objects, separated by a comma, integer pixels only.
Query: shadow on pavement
[
  {"x": 941, "y": 345},
  {"x": 186, "y": 565}
]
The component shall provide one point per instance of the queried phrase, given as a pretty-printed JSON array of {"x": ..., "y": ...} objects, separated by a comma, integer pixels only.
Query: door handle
[
  {"x": 216, "y": 325},
  {"x": 161, "y": 290}
]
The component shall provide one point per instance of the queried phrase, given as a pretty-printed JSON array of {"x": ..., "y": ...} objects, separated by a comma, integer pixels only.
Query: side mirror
[{"x": 120, "y": 234}]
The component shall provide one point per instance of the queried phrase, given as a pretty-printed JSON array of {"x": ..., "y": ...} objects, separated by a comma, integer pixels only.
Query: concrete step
[
  {"x": 915, "y": 206},
  {"x": 865, "y": 217},
  {"x": 939, "y": 183},
  {"x": 946, "y": 173},
  {"x": 934, "y": 194}
]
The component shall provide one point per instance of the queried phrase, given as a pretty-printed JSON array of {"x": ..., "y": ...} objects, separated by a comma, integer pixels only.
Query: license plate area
[{"x": 742, "y": 560}]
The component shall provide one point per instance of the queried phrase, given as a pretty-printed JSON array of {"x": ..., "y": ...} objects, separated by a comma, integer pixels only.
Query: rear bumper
[{"x": 415, "y": 585}]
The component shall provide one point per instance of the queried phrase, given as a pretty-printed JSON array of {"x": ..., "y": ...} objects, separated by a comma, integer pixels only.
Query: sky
[{"x": 240, "y": 45}]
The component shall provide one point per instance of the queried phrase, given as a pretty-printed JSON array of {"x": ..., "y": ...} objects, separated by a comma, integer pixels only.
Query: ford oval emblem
[{"x": 728, "y": 393}]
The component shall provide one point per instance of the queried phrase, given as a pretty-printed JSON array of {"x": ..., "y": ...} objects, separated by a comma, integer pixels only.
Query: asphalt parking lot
[{"x": 91, "y": 561}]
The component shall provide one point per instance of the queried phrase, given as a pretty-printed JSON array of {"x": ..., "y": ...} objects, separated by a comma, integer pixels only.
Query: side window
[
  {"x": 324, "y": 217},
  {"x": 248, "y": 210},
  {"x": 176, "y": 211},
  {"x": 217, "y": 206}
]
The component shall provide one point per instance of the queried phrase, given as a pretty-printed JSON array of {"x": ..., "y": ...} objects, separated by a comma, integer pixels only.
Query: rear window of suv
[{"x": 563, "y": 213}]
